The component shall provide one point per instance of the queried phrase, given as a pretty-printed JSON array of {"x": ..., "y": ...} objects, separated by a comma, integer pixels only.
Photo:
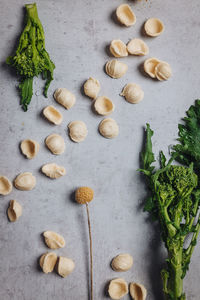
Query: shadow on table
[{"x": 155, "y": 263}]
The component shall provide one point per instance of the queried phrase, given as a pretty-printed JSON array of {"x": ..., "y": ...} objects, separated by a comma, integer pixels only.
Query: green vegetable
[
  {"x": 175, "y": 200},
  {"x": 188, "y": 151},
  {"x": 31, "y": 58}
]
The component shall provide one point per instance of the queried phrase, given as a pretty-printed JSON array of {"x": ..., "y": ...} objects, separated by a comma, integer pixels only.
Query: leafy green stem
[
  {"x": 190, "y": 249},
  {"x": 26, "y": 91},
  {"x": 194, "y": 212},
  {"x": 174, "y": 203}
]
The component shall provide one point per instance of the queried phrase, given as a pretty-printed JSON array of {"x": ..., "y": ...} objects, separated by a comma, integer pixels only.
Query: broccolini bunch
[
  {"x": 175, "y": 200},
  {"x": 31, "y": 58}
]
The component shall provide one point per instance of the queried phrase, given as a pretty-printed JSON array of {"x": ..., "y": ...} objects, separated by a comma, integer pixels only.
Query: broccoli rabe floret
[
  {"x": 174, "y": 203},
  {"x": 31, "y": 58}
]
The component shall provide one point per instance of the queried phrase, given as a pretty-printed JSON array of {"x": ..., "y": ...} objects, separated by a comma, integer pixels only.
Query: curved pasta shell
[
  {"x": 118, "y": 48},
  {"x": 137, "y": 47},
  {"x": 53, "y": 170},
  {"x": 55, "y": 143},
  {"x": 122, "y": 262},
  {"x": 53, "y": 115},
  {"x": 109, "y": 128},
  {"x": 65, "y": 266},
  {"x": 125, "y": 15},
  {"x": 5, "y": 185},
  {"x": 54, "y": 240},
  {"x": 48, "y": 262},
  {"x": 137, "y": 291},
  {"x": 29, "y": 148},
  {"x": 91, "y": 87},
  {"x": 115, "y": 68},
  {"x": 104, "y": 106},
  {"x": 25, "y": 181},
  {"x": 133, "y": 93},
  {"x": 153, "y": 27},
  {"x": 64, "y": 97},
  {"x": 14, "y": 211},
  {"x": 118, "y": 288},
  {"x": 77, "y": 131}
]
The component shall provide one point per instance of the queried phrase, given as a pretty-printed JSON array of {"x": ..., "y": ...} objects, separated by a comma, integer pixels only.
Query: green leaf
[
  {"x": 49, "y": 77},
  {"x": 188, "y": 150},
  {"x": 162, "y": 160},
  {"x": 147, "y": 155},
  {"x": 149, "y": 204}
]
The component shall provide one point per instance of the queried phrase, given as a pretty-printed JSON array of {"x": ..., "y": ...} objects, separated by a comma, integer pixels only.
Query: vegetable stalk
[
  {"x": 174, "y": 203},
  {"x": 91, "y": 257},
  {"x": 31, "y": 58}
]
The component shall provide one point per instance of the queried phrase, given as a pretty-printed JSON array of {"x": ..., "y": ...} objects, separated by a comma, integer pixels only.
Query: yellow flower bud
[{"x": 84, "y": 194}]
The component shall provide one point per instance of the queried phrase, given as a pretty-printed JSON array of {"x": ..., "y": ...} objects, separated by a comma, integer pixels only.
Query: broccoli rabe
[
  {"x": 188, "y": 150},
  {"x": 174, "y": 202},
  {"x": 31, "y": 58}
]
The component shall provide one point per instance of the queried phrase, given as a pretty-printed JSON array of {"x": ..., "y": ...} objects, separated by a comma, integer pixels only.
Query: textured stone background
[{"x": 77, "y": 35}]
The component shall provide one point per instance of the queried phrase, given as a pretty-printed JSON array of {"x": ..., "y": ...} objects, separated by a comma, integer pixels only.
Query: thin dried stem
[{"x": 91, "y": 258}]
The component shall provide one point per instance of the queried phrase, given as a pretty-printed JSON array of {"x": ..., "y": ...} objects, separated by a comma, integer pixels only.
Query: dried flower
[{"x": 84, "y": 195}]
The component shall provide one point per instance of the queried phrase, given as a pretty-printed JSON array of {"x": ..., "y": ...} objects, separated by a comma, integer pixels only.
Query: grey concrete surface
[{"x": 77, "y": 35}]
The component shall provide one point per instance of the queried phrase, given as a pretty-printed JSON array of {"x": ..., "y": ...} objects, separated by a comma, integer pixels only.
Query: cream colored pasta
[
  {"x": 65, "y": 266},
  {"x": 122, "y": 262},
  {"x": 137, "y": 47},
  {"x": 137, "y": 291},
  {"x": 153, "y": 27},
  {"x": 54, "y": 240},
  {"x": 150, "y": 66},
  {"x": 77, "y": 131},
  {"x": 115, "y": 68},
  {"x": 103, "y": 106},
  {"x": 29, "y": 148},
  {"x": 64, "y": 97},
  {"x": 92, "y": 88},
  {"x": 25, "y": 181},
  {"x": 14, "y": 210},
  {"x": 118, "y": 48},
  {"x": 55, "y": 143},
  {"x": 133, "y": 93},
  {"x": 118, "y": 288},
  {"x": 163, "y": 71},
  {"x": 125, "y": 15},
  {"x": 52, "y": 115},
  {"x": 109, "y": 128},
  {"x": 53, "y": 170},
  {"x": 48, "y": 262},
  {"x": 5, "y": 185}
]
